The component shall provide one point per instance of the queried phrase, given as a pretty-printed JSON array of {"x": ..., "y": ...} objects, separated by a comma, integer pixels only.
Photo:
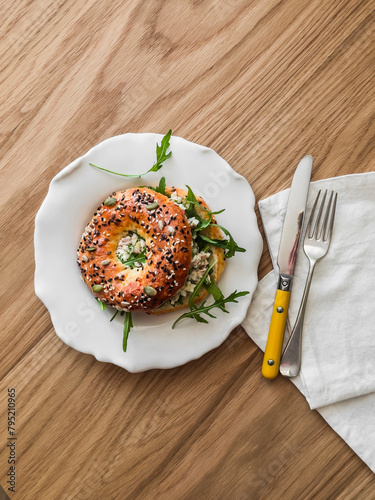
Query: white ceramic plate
[{"x": 73, "y": 196}]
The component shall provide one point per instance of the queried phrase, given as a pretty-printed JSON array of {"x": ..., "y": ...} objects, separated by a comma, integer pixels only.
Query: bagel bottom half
[{"x": 217, "y": 254}]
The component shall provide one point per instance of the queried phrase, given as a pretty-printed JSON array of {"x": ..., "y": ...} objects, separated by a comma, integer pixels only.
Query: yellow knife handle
[{"x": 272, "y": 354}]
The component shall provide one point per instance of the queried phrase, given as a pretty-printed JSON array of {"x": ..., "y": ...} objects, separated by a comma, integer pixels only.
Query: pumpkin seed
[
  {"x": 97, "y": 288},
  {"x": 110, "y": 201},
  {"x": 105, "y": 262},
  {"x": 152, "y": 206},
  {"x": 150, "y": 291},
  {"x": 91, "y": 249}
]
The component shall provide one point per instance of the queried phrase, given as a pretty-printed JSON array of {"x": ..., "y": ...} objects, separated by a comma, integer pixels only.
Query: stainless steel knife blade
[{"x": 294, "y": 216}]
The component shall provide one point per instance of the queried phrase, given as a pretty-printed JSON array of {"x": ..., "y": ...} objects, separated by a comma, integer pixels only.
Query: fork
[{"x": 316, "y": 244}]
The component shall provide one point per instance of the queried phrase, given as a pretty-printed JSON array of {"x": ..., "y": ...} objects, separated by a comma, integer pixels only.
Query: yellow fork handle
[{"x": 272, "y": 354}]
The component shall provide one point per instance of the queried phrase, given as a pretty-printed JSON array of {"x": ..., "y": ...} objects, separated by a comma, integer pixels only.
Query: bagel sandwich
[{"x": 139, "y": 253}]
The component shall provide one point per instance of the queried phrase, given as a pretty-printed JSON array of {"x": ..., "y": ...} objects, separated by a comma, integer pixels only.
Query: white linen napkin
[{"x": 338, "y": 350}]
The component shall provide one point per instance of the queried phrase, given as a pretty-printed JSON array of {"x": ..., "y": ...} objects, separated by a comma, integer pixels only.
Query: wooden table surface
[{"x": 262, "y": 83}]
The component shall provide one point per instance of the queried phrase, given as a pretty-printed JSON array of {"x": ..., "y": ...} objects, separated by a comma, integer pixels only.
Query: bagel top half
[
  {"x": 168, "y": 242},
  {"x": 163, "y": 232}
]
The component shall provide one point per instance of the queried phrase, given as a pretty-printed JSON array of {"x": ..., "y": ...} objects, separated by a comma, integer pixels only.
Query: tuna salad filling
[
  {"x": 130, "y": 248},
  {"x": 199, "y": 262}
]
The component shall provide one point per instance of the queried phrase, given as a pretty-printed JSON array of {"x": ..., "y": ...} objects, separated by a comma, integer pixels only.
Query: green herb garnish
[
  {"x": 229, "y": 246},
  {"x": 161, "y": 152},
  {"x": 128, "y": 323},
  {"x": 205, "y": 309},
  {"x": 206, "y": 209},
  {"x": 102, "y": 306},
  {"x": 113, "y": 317},
  {"x": 190, "y": 202},
  {"x": 133, "y": 257},
  {"x": 161, "y": 156},
  {"x": 214, "y": 290},
  {"x": 140, "y": 257},
  {"x": 161, "y": 187}
]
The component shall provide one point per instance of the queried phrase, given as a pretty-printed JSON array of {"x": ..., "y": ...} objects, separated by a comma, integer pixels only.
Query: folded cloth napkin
[{"x": 338, "y": 350}]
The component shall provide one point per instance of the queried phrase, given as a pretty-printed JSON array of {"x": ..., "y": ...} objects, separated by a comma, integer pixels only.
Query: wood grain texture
[{"x": 263, "y": 83}]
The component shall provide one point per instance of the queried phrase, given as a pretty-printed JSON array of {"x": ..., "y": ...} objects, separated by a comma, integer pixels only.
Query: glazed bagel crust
[{"x": 168, "y": 241}]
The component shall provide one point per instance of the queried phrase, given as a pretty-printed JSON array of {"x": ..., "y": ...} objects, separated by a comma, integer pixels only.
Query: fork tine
[
  {"x": 323, "y": 231},
  {"x": 309, "y": 234},
  {"x": 332, "y": 217},
  {"x": 316, "y": 231}
]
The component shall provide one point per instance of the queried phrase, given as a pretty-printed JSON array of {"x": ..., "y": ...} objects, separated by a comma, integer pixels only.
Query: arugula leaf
[
  {"x": 102, "y": 306},
  {"x": 206, "y": 210},
  {"x": 161, "y": 187},
  {"x": 113, "y": 317},
  {"x": 203, "y": 223},
  {"x": 161, "y": 152},
  {"x": 229, "y": 245},
  {"x": 205, "y": 309},
  {"x": 161, "y": 156},
  {"x": 191, "y": 201},
  {"x": 140, "y": 257},
  {"x": 128, "y": 323},
  {"x": 214, "y": 290}
]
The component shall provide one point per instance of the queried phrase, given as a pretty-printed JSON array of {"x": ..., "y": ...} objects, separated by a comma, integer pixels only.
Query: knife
[{"x": 286, "y": 261}]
